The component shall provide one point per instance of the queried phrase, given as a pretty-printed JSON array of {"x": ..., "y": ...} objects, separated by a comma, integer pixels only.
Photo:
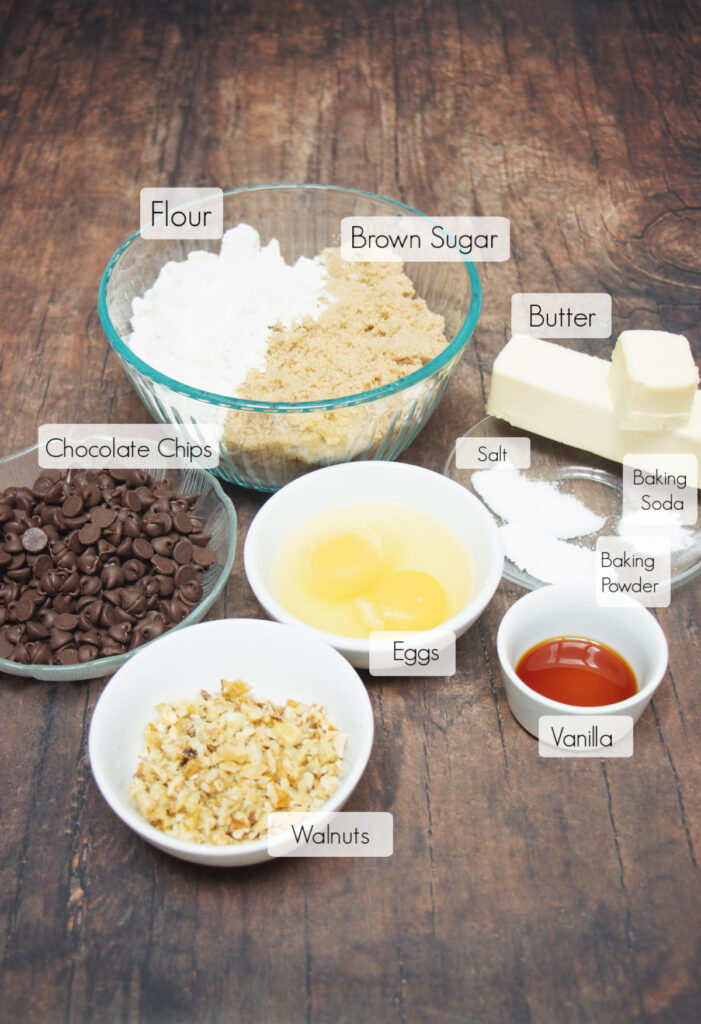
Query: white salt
[
  {"x": 207, "y": 320},
  {"x": 535, "y": 503}
]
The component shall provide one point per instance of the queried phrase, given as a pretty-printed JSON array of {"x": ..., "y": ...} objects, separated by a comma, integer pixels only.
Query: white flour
[{"x": 206, "y": 320}]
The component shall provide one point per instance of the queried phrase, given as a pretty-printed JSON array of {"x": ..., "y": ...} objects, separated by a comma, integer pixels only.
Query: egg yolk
[
  {"x": 405, "y": 600},
  {"x": 346, "y": 565}
]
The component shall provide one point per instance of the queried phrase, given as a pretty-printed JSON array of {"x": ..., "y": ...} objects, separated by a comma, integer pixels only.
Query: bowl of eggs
[{"x": 365, "y": 547}]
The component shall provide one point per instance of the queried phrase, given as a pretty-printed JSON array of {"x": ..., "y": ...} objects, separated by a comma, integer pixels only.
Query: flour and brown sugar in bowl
[{"x": 373, "y": 331}]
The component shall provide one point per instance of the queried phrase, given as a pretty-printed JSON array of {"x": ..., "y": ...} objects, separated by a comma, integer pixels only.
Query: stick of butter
[
  {"x": 564, "y": 395},
  {"x": 653, "y": 380}
]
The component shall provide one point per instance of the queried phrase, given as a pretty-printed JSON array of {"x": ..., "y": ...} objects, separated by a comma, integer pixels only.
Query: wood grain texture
[{"x": 520, "y": 890}]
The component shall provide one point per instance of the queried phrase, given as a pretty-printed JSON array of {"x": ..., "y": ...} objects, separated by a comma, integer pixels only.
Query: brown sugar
[{"x": 374, "y": 331}]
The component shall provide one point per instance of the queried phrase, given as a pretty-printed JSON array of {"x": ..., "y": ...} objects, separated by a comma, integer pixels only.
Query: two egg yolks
[
  {"x": 362, "y": 567},
  {"x": 350, "y": 565}
]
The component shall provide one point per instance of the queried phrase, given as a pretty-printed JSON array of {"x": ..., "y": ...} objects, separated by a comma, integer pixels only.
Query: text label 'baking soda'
[
  {"x": 426, "y": 239},
  {"x": 330, "y": 834},
  {"x": 128, "y": 446},
  {"x": 637, "y": 568},
  {"x": 660, "y": 490},
  {"x": 585, "y": 736},
  {"x": 561, "y": 314},
  {"x": 430, "y": 653},
  {"x": 181, "y": 213},
  {"x": 493, "y": 452}
]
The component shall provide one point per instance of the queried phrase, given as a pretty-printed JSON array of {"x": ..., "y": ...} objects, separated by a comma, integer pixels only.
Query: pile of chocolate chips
[{"x": 96, "y": 563}]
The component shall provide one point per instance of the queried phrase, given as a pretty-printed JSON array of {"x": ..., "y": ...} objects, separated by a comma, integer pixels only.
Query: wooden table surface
[{"x": 520, "y": 889}]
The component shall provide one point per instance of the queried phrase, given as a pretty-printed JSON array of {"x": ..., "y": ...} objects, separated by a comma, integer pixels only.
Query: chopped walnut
[{"x": 216, "y": 765}]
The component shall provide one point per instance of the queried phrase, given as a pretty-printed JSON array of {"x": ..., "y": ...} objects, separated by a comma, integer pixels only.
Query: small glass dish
[
  {"x": 217, "y": 510},
  {"x": 264, "y": 445},
  {"x": 596, "y": 482}
]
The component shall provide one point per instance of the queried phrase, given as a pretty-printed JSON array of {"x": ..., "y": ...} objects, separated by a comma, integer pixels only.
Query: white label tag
[
  {"x": 181, "y": 213},
  {"x": 493, "y": 453},
  {"x": 330, "y": 834},
  {"x": 585, "y": 736},
  {"x": 639, "y": 569},
  {"x": 561, "y": 314},
  {"x": 128, "y": 445},
  {"x": 426, "y": 239},
  {"x": 661, "y": 490},
  {"x": 429, "y": 653}
]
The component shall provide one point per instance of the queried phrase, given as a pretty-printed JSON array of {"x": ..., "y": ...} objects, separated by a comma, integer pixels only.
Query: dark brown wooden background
[{"x": 520, "y": 890}]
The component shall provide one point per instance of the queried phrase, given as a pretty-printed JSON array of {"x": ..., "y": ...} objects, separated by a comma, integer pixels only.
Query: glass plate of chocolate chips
[{"x": 96, "y": 563}]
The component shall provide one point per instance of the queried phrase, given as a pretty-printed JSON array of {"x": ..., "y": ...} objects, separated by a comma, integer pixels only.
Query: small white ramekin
[
  {"x": 571, "y": 610},
  {"x": 362, "y": 482}
]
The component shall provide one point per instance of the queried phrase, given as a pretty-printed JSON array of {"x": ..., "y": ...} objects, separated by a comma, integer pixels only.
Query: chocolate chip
[
  {"x": 21, "y": 654},
  {"x": 40, "y": 653},
  {"x": 182, "y": 522},
  {"x": 104, "y": 548},
  {"x": 133, "y": 570},
  {"x": 186, "y": 574},
  {"x": 34, "y": 540},
  {"x": 13, "y": 543},
  {"x": 163, "y": 546},
  {"x": 90, "y": 494},
  {"x": 19, "y": 575},
  {"x": 204, "y": 556},
  {"x": 165, "y": 566},
  {"x": 66, "y": 560},
  {"x": 120, "y": 632},
  {"x": 24, "y": 608},
  {"x": 175, "y": 609},
  {"x": 87, "y": 652},
  {"x": 182, "y": 553},
  {"x": 102, "y": 517},
  {"x": 90, "y": 585},
  {"x": 36, "y": 630},
  {"x": 141, "y": 548},
  {"x": 89, "y": 562},
  {"x": 66, "y": 621},
  {"x": 54, "y": 495},
  {"x": 14, "y": 633},
  {"x": 72, "y": 506},
  {"x": 59, "y": 638},
  {"x": 166, "y": 585},
  {"x": 112, "y": 576},
  {"x": 110, "y": 648},
  {"x": 89, "y": 534},
  {"x": 67, "y": 655},
  {"x": 191, "y": 593}
]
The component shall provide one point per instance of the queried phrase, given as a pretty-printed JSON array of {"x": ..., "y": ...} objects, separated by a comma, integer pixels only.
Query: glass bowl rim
[
  {"x": 85, "y": 671},
  {"x": 145, "y": 369}
]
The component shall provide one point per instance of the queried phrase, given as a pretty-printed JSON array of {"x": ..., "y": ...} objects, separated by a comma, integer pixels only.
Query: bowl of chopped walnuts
[{"x": 209, "y": 730}]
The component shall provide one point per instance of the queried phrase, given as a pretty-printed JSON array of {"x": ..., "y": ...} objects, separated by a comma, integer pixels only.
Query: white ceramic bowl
[
  {"x": 278, "y": 662},
  {"x": 571, "y": 610},
  {"x": 361, "y": 482}
]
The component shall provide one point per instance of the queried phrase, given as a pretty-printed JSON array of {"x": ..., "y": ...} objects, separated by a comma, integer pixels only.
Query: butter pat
[
  {"x": 564, "y": 395},
  {"x": 653, "y": 380}
]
